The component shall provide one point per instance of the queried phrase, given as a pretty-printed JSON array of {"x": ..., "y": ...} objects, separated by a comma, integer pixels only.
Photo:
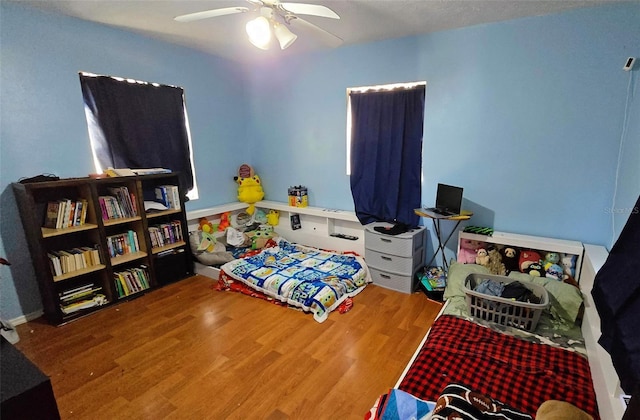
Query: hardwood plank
[{"x": 189, "y": 351}]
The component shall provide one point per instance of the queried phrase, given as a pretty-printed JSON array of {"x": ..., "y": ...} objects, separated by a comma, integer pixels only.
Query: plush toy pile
[
  {"x": 502, "y": 259},
  {"x": 237, "y": 232}
]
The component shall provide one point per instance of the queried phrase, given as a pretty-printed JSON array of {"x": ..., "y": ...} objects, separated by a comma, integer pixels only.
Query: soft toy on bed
[
  {"x": 468, "y": 250},
  {"x": 482, "y": 257},
  {"x": 496, "y": 266},
  {"x": 569, "y": 265},
  {"x": 249, "y": 187},
  {"x": 527, "y": 258},
  {"x": 510, "y": 258}
]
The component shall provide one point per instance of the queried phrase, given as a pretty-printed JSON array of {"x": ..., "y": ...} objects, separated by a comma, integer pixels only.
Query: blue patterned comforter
[{"x": 308, "y": 278}]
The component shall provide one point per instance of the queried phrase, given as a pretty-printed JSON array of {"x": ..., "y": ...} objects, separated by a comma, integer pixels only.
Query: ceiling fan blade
[
  {"x": 210, "y": 13},
  {"x": 310, "y": 9},
  {"x": 328, "y": 38}
]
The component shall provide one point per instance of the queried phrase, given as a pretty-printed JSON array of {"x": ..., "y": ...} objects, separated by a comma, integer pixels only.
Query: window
[
  {"x": 135, "y": 124},
  {"x": 384, "y": 151}
]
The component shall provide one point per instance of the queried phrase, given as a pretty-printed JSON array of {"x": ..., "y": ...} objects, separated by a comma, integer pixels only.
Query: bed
[
  {"x": 511, "y": 370},
  {"x": 307, "y": 278}
]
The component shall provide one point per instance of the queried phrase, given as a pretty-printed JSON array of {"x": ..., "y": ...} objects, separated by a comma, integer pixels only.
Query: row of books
[
  {"x": 120, "y": 204},
  {"x": 131, "y": 281},
  {"x": 65, "y": 213},
  {"x": 166, "y": 233},
  {"x": 123, "y": 243},
  {"x": 82, "y": 297},
  {"x": 67, "y": 261},
  {"x": 169, "y": 195}
]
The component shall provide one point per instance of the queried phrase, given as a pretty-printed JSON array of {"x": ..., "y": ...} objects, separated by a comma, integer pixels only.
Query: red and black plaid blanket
[{"x": 513, "y": 371}]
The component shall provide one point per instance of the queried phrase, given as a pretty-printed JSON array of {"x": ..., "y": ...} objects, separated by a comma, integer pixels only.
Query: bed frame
[{"x": 605, "y": 380}]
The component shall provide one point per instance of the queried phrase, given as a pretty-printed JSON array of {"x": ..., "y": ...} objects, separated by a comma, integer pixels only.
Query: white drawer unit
[{"x": 394, "y": 259}]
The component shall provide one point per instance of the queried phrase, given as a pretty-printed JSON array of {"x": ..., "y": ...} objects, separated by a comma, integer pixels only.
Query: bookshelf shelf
[
  {"x": 121, "y": 259},
  {"x": 121, "y": 221},
  {"x": 168, "y": 247},
  {"x": 79, "y": 273},
  {"x": 49, "y": 233},
  {"x": 153, "y": 215},
  {"x": 106, "y": 218}
]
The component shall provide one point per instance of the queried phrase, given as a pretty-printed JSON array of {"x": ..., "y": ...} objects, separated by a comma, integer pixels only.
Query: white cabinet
[{"x": 394, "y": 259}]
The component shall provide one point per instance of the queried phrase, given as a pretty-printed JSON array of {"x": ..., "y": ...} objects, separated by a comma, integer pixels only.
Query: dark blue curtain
[
  {"x": 386, "y": 154},
  {"x": 137, "y": 125},
  {"x": 616, "y": 294}
]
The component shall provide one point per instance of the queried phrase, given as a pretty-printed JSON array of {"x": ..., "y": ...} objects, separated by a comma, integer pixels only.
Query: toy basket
[{"x": 504, "y": 311}]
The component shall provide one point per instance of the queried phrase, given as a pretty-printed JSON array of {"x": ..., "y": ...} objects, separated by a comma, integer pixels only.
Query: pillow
[{"x": 457, "y": 276}]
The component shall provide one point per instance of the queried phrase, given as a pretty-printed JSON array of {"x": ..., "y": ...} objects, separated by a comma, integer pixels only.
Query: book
[
  {"x": 51, "y": 216},
  {"x": 62, "y": 209}
]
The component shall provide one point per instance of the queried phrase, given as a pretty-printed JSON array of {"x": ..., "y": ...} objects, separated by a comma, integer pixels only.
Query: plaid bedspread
[{"x": 515, "y": 372}]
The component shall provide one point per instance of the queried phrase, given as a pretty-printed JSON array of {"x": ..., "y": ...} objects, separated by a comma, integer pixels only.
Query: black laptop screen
[{"x": 449, "y": 198}]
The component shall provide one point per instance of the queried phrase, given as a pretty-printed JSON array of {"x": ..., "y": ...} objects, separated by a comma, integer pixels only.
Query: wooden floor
[{"x": 188, "y": 351}]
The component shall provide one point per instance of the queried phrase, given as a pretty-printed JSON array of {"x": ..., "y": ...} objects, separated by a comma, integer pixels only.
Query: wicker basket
[{"x": 504, "y": 311}]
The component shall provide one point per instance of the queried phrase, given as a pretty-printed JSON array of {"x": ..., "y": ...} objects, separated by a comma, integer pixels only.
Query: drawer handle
[
  {"x": 384, "y": 276},
  {"x": 385, "y": 240},
  {"x": 384, "y": 257}
]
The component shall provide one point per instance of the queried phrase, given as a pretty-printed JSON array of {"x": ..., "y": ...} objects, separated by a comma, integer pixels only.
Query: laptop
[{"x": 448, "y": 200}]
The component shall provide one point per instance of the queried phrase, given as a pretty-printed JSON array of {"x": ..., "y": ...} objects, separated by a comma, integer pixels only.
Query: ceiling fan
[{"x": 273, "y": 19}]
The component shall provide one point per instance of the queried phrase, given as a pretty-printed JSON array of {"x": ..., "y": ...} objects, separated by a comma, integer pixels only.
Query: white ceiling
[{"x": 361, "y": 20}]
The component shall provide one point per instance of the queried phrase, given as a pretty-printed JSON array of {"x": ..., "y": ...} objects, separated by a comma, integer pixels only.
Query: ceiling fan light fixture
[
  {"x": 259, "y": 31},
  {"x": 284, "y": 36}
]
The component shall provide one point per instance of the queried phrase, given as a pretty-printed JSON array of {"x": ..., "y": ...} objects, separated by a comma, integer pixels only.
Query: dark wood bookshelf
[{"x": 92, "y": 231}]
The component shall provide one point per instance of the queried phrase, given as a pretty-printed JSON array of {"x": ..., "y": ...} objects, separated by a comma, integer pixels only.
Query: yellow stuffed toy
[{"x": 249, "y": 187}]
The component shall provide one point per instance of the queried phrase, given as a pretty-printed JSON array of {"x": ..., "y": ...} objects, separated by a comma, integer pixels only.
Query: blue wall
[{"x": 527, "y": 115}]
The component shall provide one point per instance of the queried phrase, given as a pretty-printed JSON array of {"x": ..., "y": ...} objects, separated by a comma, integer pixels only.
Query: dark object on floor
[
  {"x": 396, "y": 229},
  {"x": 25, "y": 391}
]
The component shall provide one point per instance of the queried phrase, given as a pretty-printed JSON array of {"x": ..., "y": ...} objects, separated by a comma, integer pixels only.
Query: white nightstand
[{"x": 394, "y": 259}]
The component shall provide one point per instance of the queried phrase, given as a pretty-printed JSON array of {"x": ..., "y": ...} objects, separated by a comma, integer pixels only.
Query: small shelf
[
  {"x": 121, "y": 259},
  {"x": 123, "y": 220},
  {"x": 168, "y": 247},
  {"x": 77, "y": 273},
  {"x": 155, "y": 214},
  {"x": 48, "y": 232}
]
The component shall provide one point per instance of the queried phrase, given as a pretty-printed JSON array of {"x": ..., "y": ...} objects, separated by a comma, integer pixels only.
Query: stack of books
[
  {"x": 82, "y": 297},
  {"x": 131, "y": 281},
  {"x": 65, "y": 213},
  {"x": 123, "y": 243},
  {"x": 169, "y": 195},
  {"x": 67, "y": 261},
  {"x": 166, "y": 233},
  {"x": 120, "y": 204}
]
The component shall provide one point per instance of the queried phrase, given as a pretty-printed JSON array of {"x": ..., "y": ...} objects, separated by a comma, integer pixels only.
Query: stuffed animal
[
  {"x": 550, "y": 258},
  {"x": 510, "y": 259},
  {"x": 224, "y": 222},
  {"x": 535, "y": 269},
  {"x": 554, "y": 271},
  {"x": 249, "y": 187},
  {"x": 568, "y": 262},
  {"x": 273, "y": 217},
  {"x": 526, "y": 259},
  {"x": 495, "y": 265},
  {"x": 468, "y": 250},
  {"x": 482, "y": 257}
]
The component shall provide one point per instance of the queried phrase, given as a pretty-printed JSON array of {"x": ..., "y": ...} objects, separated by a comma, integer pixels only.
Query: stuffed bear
[
  {"x": 468, "y": 250},
  {"x": 510, "y": 259},
  {"x": 482, "y": 257}
]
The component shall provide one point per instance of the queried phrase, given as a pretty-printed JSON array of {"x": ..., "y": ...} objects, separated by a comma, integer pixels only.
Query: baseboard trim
[{"x": 26, "y": 318}]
